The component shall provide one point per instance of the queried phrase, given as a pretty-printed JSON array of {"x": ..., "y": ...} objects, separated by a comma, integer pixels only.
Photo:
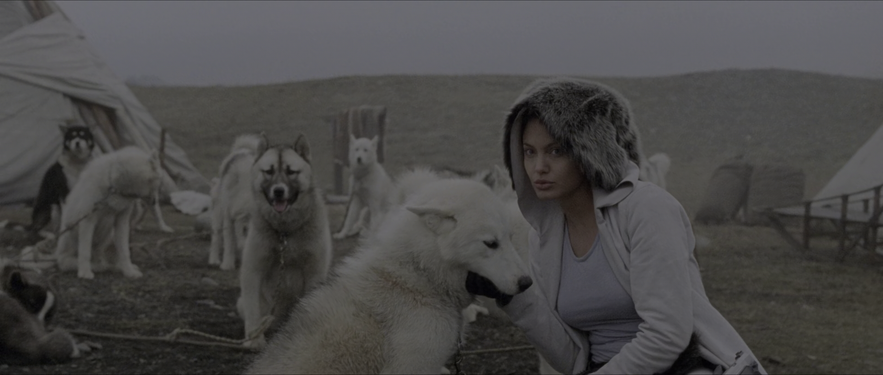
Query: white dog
[
  {"x": 232, "y": 201},
  {"x": 396, "y": 304},
  {"x": 101, "y": 204},
  {"x": 288, "y": 247},
  {"x": 656, "y": 168},
  {"x": 370, "y": 186}
]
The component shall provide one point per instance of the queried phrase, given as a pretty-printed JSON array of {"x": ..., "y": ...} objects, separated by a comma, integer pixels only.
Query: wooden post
[
  {"x": 875, "y": 221},
  {"x": 844, "y": 201},
  {"x": 162, "y": 147},
  {"x": 807, "y": 207}
]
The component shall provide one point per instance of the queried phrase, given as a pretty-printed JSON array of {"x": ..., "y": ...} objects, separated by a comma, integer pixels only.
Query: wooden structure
[
  {"x": 853, "y": 227},
  {"x": 365, "y": 121}
]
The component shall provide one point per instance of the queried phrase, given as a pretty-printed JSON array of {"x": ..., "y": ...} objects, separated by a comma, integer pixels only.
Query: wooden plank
[
  {"x": 824, "y": 213},
  {"x": 806, "y": 223},
  {"x": 780, "y": 228},
  {"x": 844, "y": 210},
  {"x": 103, "y": 119},
  {"x": 39, "y": 9},
  {"x": 872, "y": 236}
]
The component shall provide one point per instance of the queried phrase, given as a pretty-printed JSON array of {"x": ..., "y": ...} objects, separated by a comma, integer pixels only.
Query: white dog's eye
[
  {"x": 492, "y": 244},
  {"x": 290, "y": 171},
  {"x": 269, "y": 172}
]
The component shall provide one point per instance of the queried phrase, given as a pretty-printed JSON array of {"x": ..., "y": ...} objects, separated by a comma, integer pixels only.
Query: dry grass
[{"x": 799, "y": 313}]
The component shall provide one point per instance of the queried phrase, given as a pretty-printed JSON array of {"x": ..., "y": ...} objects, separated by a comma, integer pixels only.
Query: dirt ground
[
  {"x": 180, "y": 290},
  {"x": 800, "y": 312}
]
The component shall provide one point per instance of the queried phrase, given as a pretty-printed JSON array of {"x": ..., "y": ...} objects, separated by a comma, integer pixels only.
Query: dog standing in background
[
  {"x": 232, "y": 202},
  {"x": 370, "y": 188},
  {"x": 99, "y": 210},
  {"x": 77, "y": 147}
]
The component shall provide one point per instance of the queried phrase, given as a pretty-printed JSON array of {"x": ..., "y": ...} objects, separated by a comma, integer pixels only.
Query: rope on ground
[
  {"x": 174, "y": 336},
  {"x": 162, "y": 242},
  {"x": 497, "y": 350}
]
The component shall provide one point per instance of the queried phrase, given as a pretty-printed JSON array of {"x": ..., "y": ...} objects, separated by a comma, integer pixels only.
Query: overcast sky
[{"x": 234, "y": 43}]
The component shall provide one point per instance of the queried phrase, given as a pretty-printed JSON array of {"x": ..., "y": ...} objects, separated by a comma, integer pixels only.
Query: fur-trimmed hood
[{"x": 590, "y": 120}]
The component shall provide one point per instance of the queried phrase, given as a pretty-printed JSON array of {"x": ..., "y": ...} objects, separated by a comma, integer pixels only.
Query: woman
[{"x": 616, "y": 286}]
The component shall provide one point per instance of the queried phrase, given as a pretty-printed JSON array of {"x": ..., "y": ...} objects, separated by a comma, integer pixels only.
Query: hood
[{"x": 591, "y": 121}]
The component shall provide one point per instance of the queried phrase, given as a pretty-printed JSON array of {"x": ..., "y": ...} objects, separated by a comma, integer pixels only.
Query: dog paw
[
  {"x": 167, "y": 229},
  {"x": 88, "y": 346},
  {"x": 86, "y": 274},
  {"x": 339, "y": 236},
  {"x": 132, "y": 272},
  {"x": 228, "y": 266}
]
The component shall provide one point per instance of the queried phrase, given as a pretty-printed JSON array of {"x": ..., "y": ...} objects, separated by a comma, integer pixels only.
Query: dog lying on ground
[
  {"x": 27, "y": 303},
  {"x": 395, "y": 305},
  {"x": 99, "y": 210},
  {"x": 288, "y": 247},
  {"x": 369, "y": 188},
  {"x": 232, "y": 202}
]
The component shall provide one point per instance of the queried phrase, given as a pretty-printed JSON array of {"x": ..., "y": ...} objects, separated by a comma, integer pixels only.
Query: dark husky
[
  {"x": 27, "y": 303},
  {"x": 61, "y": 176}
]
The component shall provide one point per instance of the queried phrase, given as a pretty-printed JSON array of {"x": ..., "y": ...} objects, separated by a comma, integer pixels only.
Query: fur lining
[{"x": 590, "y": 120}]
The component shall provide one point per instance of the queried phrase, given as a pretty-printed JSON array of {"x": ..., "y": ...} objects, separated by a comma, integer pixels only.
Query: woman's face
[{"x": 553, "y": 173}]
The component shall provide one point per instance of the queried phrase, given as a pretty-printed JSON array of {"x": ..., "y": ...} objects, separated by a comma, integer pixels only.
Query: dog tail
[{"x": 246, "y": 142}]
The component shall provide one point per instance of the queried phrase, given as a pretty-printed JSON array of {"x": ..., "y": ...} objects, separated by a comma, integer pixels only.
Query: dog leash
[{"x": 458, "y": 358}]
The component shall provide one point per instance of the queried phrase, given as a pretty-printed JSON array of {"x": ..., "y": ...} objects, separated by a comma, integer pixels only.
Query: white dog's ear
[
  {"x": 302, "y": 147},
  {"x": 438, "y": 221},
  {"x": 263, "y": 143},
  {"x": 374, "y": 141},
  {"x": 352, "y": 139}
]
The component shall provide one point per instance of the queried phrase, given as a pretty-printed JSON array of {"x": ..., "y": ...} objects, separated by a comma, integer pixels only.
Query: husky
[
  {"x": 77, "y": 147},
  {"x": 655, "y": 168},
  {"x": 232, "y": 202},
  {"x": 99, "y": 210},
  {"x": 369, "y": 188},
  {"x": 395, "y": 305},
  {"x": 27, "y": 303},
  {"x": 287, "y": 249}
]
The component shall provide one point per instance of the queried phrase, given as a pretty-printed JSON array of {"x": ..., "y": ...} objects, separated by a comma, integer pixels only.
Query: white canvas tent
[
  {"x": 860, "y": 174},
  {"x": 50, "y": 75},
  {"x": 852, "y": 200}
]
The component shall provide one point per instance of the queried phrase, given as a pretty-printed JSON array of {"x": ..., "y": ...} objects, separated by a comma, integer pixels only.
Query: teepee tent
[
  {"x": 860, "y": 174},
  {"x": 50, "y": 75}
]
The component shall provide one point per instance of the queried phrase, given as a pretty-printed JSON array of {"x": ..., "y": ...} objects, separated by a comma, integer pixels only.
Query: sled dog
[
  {"x": 369, "y": 188},
  {"x": 77, "y": 147},
  {"x": 26, "y": 306},
  {"x": 232, "y": 202},
  {"x": 655, "y": 168},
  {"x": 287, "y": 249},
  {"x": 395, "y": 305},
  {"x": 99, "y": 209}
]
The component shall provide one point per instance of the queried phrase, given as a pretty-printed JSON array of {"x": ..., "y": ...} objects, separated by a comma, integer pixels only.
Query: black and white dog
[
  {"x": 61, "y": 176},
  {"x": 27, "y": 303}
]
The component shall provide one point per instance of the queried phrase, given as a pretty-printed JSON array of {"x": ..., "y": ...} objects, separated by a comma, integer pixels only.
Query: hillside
[{"x": 814, "y": 121}]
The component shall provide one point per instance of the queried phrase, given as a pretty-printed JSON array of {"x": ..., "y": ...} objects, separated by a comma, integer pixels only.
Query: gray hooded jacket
[{"x": 646, "y": 236}]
